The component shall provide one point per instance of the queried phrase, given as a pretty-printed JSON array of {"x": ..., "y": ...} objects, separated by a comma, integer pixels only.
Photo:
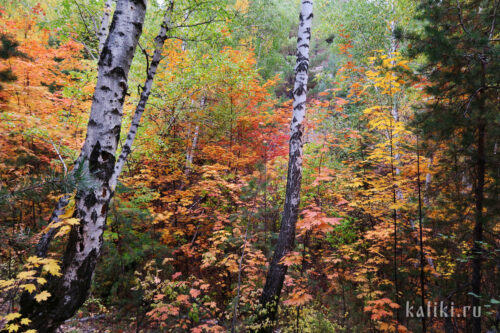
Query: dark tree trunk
[
  {"x": 478, "y": 227},
  {"x": 276, "y": 275}
]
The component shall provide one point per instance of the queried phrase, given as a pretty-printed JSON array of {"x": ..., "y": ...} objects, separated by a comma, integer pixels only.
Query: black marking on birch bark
[
  {"x": 92, "y": 123},
  {"x": 309, "y": 2},
  {"x": 294, "y": 120},
  {"x": 106, "y": 57},
  {"x": 301, "y": 89},
  {"x": 101, "y": 162},
  {"x": 104, "y": 209},
  {"x": 119, "y": 72},
  {"x": 300, "y": 106},
  {"x": 121, "y": 34},
  {"x": 310, "y": 16},
  {"x": 121, "y": 100},
  {"x": 81, "y": 213},
  {"x": 94, "y": 158},
  {"x": 139, "y": 3},
  {"x": 93, "y": 216},
  {"x": 105, "y": 88},
  {"x": 113, "y": 21},
  {"x": 81, "y": 247},
  {"x": 301, "y": 18},
  {"x": 116, "y": 132},
  {"x": 90, "y": 200},
  {"x": 138, "y": 26}
]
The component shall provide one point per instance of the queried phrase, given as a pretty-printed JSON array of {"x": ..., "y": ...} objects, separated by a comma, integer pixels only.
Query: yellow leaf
[
  {"x": 12, "y": 327},
  {"x": 31, "y": 331},
  {"x": 63, "y": 231},
  {"x": 33, "y": 260},
  {"x": 72, "y": 221},
  {"x": 25, "y": 321},
  {"x": 43, "y": 296},
  {"x": 12, "y": 316},
  {"x": 29, "y": 287},
  {"x": 53, "y": 268},
  {"x": 41, "y": 281},
  {"x": 26, "y": 275}
]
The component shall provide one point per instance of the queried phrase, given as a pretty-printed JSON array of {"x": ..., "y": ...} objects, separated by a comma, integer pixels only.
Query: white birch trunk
[
  {"x": 286, "y": 240},
  {"x": 97, "y": 158}
]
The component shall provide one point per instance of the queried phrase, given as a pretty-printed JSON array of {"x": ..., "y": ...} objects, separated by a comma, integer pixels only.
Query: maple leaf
[
  {"x": 72, "y": 221},
  {"x": 182, "y": 298},
  {"x": 43, "y": 296},
  {"x": 194, "y": 293},
  {"x": 34, "y": 260},
  {"x": 25, "y": 321},
  {"x": 12, "y": 316},
  {"x": 53, "y": 268},
  {"x": 29, "y": 287},
  {"x": 26, "y": 275},
  {"x": 299, "y": 298},
  {"x": 12, "y": 327}
]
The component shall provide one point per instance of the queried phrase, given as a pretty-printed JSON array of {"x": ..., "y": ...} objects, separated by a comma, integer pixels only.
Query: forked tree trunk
[
  {"x": 276, "y": 275},
  {"x": 97, "y": 158}
]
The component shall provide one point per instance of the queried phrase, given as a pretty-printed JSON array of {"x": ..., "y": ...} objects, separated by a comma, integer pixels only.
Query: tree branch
[{"x": 127, "y": 147}]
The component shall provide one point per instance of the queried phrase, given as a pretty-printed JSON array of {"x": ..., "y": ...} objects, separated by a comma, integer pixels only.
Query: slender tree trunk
[
  {"x": 276, "y": 275},
  {"x": 478, "y": 227},
  {"x": 421, "y": 239},
  {"x": 477, "y": 247},
  {"x": 103, "y": 28},
  {"x": 97, "y": 158}
]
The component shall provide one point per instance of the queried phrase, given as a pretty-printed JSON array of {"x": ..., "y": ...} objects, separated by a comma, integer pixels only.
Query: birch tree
[
  {"x": 277, "y": 271},
  {"x": 98, "y": 159}
]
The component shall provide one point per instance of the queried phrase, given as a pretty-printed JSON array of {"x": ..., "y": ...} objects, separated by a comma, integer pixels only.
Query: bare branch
[{"x": 460, "y": 17}]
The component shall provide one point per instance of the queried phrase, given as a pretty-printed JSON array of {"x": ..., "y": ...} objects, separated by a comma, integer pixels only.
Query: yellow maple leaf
[
  {"x": 63, "y": 231},
  {"x": 30, "y": 287},
  {"x": 12, "y": 316},
  {"x": 25, "y": 321},
  {"x": 72, "y": 221},
  {"x": 43, "y": 296},
  {"x": 12, "y": 327},
  {"x": 26, "y": 275},
  {"x": 53, "y": 268},
  {"x": 33, "y": 260}
]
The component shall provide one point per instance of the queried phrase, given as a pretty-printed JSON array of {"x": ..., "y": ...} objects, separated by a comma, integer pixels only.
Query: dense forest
[{"x": 250, "y": 166}]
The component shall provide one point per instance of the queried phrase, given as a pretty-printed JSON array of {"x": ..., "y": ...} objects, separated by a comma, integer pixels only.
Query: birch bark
[
  {"x": 97, "y": 158},
  {"x": 276, "y": 275},
  {"x": 103, "y": 28}
]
